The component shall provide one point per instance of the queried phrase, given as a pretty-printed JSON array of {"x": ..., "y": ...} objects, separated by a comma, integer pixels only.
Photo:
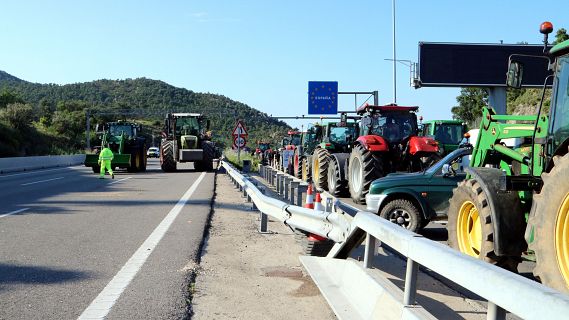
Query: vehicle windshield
[
  {"x": 560, "y": 118},
  {"x": 394, "y": 126},
  {"x": 449, "y": 133},
  {"x": 153, "y": 149},
  {"x": 458, "y": 153},
  {"x": 264, "y": 146},
  {"x": 118, "y": 129},
  {"x": 339, "y": 134},
  {"x": 295, "y": 140},
  {"x": 187, "y": 126}
]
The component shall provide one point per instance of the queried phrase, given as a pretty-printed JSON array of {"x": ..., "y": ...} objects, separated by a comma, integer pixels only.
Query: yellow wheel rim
[
  {"x": 469, "y": 230},
  {"x": 562, "y": 238},
  {"x": 315, "y": 171}
]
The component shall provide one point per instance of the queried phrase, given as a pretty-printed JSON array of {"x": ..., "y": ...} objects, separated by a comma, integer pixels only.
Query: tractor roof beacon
[{"x": 487, "y": 212}]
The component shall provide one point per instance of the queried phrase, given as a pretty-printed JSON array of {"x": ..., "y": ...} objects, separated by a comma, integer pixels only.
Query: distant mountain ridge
[{"x": 155, "y": 97}]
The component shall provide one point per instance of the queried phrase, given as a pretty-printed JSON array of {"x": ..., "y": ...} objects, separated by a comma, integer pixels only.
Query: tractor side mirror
[{"x": 515, "y": 74}]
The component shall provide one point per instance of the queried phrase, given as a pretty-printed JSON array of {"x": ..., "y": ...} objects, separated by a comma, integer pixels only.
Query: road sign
[
  {"x": 239, "y": 130},
  {"x": 322, "y": 97},
  {"x": 239, "y": 142}
]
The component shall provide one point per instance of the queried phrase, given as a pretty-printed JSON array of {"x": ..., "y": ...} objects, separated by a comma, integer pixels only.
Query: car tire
[{"x": 403, "y": 213}]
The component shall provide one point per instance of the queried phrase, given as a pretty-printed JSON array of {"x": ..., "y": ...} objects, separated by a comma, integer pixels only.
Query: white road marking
[
  {"x": 31, "y": 172},
  {"x": 14, "y": 212},
  {"x": 120, "y": 180},
  {"x": 100, "y": 307},
  {"x": 41, "y": 181}
]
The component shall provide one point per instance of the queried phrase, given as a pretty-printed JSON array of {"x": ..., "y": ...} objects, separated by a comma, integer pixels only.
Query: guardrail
[
  {"x": 15, "y": 164},
  {"x": 331, "y": 225},
  {"x": 502, "y": 289}
]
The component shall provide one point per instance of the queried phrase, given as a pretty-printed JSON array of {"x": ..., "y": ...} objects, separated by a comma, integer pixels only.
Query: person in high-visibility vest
[{"x": 105, "y": 158}]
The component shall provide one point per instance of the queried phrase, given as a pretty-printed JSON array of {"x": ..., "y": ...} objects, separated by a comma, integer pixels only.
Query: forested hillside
[{"x": 55, "y": 115}]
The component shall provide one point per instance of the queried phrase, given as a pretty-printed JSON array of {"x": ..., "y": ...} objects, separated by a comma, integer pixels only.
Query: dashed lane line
[
  {"x": 14, "y": 212},
  {"x": 100, "y": 307},
  {"x": 41, "y": 181}
]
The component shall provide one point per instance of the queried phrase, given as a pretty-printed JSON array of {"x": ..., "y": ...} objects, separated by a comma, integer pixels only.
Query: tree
[
  {"x": 8, "y": 97},
  {"x": 561, "y": 36},
  {"x": 470, "y": 104},
  {"x": 18, "y": 115}
]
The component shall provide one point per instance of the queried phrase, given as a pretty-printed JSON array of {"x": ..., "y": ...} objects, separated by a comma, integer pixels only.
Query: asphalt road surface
[{"x": 73, "y": 245}]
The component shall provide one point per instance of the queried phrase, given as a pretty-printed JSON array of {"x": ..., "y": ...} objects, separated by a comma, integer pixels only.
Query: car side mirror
[
  {"x": 515, "y": 74},
  {"x": 448, "y": 171}
]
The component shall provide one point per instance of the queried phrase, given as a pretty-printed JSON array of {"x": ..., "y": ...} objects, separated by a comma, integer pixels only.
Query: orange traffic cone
[
  {"x": 318, "y": 202},
  {"x": 309, "y": 198}
]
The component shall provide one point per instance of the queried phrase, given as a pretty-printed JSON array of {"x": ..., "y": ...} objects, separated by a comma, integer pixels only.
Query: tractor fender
[
  {"x": 341, "y": 159},
  {"x": 405, "y": 193},
  {"x": 373, "y": 143},
  {"x": 422, "y": 145},
  {"x": 509, "y": 226}
]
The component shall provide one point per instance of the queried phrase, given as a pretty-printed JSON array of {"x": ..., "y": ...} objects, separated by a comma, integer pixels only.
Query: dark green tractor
[
  {"x": 303, "y": 153},
  {"x": 128, "y": 146},
  {"x": 186, "y": 139},
  {"x": 516, "y": 195},
  {"x": 330, "y": 156},
  {"x": 448, "y": 133}
]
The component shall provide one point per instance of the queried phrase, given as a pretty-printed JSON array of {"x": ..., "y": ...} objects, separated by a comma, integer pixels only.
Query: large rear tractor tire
[
  {"x": 167, "y": 161},
  {"x": 135, "y": 160},
  {"x": 297, "y": 170},
  {"x": 470, "y": 228},
  {"x": 144, "y": 158},
  {"x": 337, "y": 186},
  {"x": 96, "y": 169},
  {"x": 320, "y": 162},
  {"x": 208, "y": 155},
  {"x": 422, "y": 163},
  {"x": 306, "y": 176},
  {"x": 363, "y": 168},
  {"x": 548, "y": 227}
]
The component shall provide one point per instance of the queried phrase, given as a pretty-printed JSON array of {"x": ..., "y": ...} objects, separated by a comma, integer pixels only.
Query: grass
[{"x": 231, "y": 157}]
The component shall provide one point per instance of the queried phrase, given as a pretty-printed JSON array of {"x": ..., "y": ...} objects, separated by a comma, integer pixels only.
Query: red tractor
[
  {"x": 263, "y": 151},
  {"x": 284, "y": 156},
  {"x": 387, "y": 142}
]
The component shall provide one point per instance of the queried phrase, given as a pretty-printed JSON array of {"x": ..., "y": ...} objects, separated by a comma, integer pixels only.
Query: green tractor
[
  {"x": 330, "y": 156},
  {"x": 516, "y": 197},
  {"x": 448, "y": 133},
  {"x": 186, "y": 139},
  {"x": 128, "y": 146},
  {"x": 303, "y": 153}
]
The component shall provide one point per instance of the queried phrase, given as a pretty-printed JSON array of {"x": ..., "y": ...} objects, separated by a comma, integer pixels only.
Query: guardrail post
[
  {"x": 293, "y": 186},
  {"x": 410, "y": 282},
  {"x": 495, "y": 312},
  {"x": 261, "y": 170},
  {"x": 286, "y": 187},
  {"x": 262, "y": 217},
  {"x": 299, "y": 191},
  {"x": 330, "y": 205},
  {"x": 369, "y": 251}
]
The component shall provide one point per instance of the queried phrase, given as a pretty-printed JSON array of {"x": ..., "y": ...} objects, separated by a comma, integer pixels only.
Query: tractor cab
[{"x": 394, "y": 123}]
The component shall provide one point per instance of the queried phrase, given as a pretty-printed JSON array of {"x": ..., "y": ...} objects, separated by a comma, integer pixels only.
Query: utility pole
[
  {"x": 394, "y": 56},
  {"x": 88, "y": 133}
]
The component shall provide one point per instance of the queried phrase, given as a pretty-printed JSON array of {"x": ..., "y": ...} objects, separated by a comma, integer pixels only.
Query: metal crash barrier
[{"x": 354, "y": 292}]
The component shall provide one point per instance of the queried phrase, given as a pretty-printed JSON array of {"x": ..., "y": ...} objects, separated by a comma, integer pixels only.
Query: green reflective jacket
[{"x": 106, "y": 154}]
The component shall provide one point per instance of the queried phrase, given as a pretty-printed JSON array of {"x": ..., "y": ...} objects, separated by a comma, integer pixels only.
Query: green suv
[{"x": 412, "y": 200}]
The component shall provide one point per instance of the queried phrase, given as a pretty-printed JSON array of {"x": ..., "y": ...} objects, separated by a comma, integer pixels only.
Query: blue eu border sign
[{"x": 322, "y": 97}]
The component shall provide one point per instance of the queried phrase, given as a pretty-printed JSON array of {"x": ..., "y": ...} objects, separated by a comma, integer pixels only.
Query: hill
[{"x": 60, "y": 110}]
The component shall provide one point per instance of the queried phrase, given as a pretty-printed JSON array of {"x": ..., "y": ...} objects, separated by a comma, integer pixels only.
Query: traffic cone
[
  {"x": 318, "y": 202},
  {"x": 309, "y": 198}
]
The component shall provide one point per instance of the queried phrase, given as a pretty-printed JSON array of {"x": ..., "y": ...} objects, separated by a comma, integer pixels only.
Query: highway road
[{"x": 73, "y": 245}]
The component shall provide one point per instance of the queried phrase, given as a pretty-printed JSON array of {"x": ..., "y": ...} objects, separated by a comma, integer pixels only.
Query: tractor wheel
[
  {"x": 404, "y": 213},
  {"x": 422, "y": 163},
  {"x": 306, "y": 169},
  {"x": 470, "y": 228},
  {"x": 337, "y": 186},
  {"x": 208, "y": 155},
  {"x": 320, "y": 162},
  {"x": 96, "y": 169},
  {"x": 549, "y": 221},
  {"x": 144, "y": 158},
  {"x": 167, "y": 161},
  {"x": 363, "y": 168},
  {"x": 297, "y": 170},
  {"x": 134, "y": 161}
]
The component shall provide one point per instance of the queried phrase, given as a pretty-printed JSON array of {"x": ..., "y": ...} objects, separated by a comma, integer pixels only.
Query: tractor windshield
[
  {"x": 339, "y": 134},
  {"x": 187, "y": 126},
  {"x": 449, "y": 133},
  {"x": 394, "y": 126},
  {"x": 295, "y": 140},
  {"x": 119, "y": 129},
  {"x": 560, "y": 117},
  {"x": 264, "y": 146}
]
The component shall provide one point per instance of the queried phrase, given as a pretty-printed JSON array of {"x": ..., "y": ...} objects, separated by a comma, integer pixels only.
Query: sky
[{"x": 262, "y": 53}]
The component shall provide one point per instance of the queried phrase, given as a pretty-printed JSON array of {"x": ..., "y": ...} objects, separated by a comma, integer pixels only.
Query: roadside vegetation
[{"x": 231, "y": 157}]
